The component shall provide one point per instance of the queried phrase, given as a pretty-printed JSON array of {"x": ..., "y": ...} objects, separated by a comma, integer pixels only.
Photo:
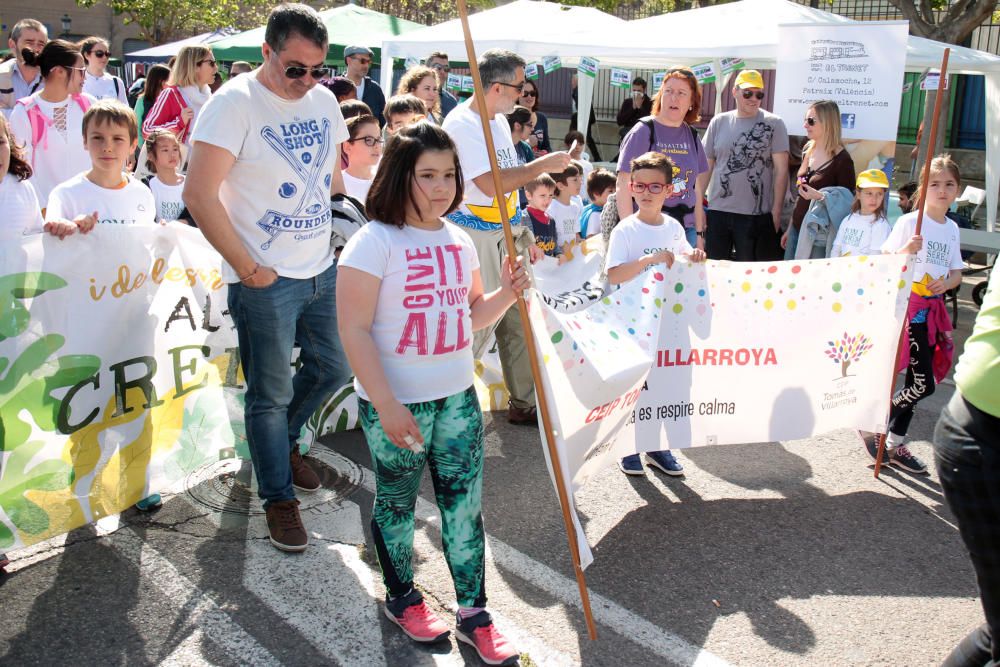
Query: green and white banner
[{"x": 119, "y": 375}]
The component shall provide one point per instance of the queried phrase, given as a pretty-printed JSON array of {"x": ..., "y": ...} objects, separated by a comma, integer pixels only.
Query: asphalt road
[{"x": 763, "y": 554}]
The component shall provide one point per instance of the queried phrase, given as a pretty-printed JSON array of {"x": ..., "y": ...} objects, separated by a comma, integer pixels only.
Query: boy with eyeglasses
[{"x": 641, "y": 241}]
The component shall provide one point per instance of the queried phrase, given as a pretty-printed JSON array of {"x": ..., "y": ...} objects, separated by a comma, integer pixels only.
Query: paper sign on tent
[
  {"x": 658, "y": 80},
  {"x": 588, "y": 66},
  {"x": 454, "y": 81},
  {"x": 531, "y": 71},
  {"x": 467, "y": 84},
  {"x": 932, "y": 80},
  {"x": 705, "y": 72},
  {"x": 622, "y": 78},
  {"x": 551, "y": 64},
  {"x": 412, "y": 62},
  {"x": 732, "y": 64}
]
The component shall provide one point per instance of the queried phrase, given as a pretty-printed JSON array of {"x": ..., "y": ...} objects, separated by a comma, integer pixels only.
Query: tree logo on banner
[{"x": 848, "y": 350}]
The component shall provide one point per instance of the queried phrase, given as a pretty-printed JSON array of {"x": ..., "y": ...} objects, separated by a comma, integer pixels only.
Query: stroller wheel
[{"x": 978, "y": 292}]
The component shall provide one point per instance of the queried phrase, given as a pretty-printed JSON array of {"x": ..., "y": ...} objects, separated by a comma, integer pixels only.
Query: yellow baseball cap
[
  {"x": 872, "y": 178},
  {"x": 750, "y": 78}
]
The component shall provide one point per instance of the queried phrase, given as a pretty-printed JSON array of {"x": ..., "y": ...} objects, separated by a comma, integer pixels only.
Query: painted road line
[
  {"x": 606, "y": 612},
  {"x": 195, "y": 607}
]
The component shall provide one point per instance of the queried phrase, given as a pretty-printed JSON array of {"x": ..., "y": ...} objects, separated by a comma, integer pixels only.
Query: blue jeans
[
  {"x": 691, "y": 234},
  {"x": 269, "y": 322}
]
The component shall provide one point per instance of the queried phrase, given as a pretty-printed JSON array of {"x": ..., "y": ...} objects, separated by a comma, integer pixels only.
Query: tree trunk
[{"x": 844, "y": 365}]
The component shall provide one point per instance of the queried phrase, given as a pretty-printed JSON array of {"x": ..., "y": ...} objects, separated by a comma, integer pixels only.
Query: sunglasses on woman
[
  {"x": 297, "y": 72},
  {"x": 528, "y": 93},
  {"x": 747, "y": 94},
  {"x": 208, "y": 60},
  {"x": 654, "y": 188},
  {"x": 101, "y": 54},
  {"x": 370, "y": 142},
  {"x": 811, "y": 121}
]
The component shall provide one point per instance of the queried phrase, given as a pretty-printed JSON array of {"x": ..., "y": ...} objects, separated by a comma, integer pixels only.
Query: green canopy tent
[{"x": 348, "y": 25}]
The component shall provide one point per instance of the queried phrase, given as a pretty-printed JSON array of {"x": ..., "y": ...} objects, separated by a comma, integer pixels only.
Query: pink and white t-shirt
[{"x": 423, "y": 325}]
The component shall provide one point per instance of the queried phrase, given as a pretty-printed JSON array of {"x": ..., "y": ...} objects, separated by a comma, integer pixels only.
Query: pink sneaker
[
  {"x": 419, "y": 623},
  {"x": 492, "y": 647}
]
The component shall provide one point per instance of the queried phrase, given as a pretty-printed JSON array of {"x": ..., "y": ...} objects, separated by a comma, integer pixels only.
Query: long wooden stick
[
  {"x": 925, "y": 175},
  {"x": 522, "y": 307}
]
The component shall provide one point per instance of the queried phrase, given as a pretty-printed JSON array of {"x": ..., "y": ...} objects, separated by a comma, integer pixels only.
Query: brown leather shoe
[
  {"x": 522, "y": 416},
  {"x": 304, "y": 478},
  {"x": 284, "y": 523}
]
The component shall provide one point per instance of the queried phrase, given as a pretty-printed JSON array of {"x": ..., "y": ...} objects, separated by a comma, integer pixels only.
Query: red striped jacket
[{"x": 166, "y": 114}]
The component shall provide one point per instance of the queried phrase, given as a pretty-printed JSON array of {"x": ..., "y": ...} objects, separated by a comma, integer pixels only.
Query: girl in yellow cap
[{"x": 867, "y": 227}]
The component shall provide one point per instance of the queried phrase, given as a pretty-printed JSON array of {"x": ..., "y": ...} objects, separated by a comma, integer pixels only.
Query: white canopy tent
[{"x": 747, "y": 29}]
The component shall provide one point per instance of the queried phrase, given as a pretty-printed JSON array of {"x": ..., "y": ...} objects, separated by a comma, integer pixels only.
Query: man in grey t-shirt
[{"x": 747, "y": 152}]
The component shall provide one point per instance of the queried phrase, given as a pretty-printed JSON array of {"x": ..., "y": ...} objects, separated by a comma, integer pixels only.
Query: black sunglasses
[
  {"x": 102, "y": 54},
  {"x": 759, "y": 94},
  {"x": 208, "y": 60},
  {"x": 811, "y": 121},
  {"x": 528, "y": 93},
  {"x": 682, "y": 70},
  {"x": 297, "y": 72}
]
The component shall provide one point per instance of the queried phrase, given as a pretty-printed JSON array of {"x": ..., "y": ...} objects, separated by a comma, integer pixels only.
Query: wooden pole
[
  {"x": 925, "y": 174},
  {"x": 522, "y": 307}
]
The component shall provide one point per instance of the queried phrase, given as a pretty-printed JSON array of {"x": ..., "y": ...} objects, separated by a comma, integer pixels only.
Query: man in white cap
[
  {"x": 747, "y": 151},
  {"x": 359, "y": 60}
]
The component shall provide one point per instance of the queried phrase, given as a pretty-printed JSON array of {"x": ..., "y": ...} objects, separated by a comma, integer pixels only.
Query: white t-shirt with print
[
  {"x": 567, "y": 217},
  {"x": 633, "y": 238},
  {"x": 60, "y": 155},
  {"x": 860, "y": 235},
  {"x": 423, "y": 325},
  {"x": 22, "y": 213},
  {"x": 942, "y": 250},
  {"x": 132, "y": 204},
  {"x": 357, "y": 187},
  {"x": 103, "y": 87},
  {"x": 169, "y": 203},
  {"x": 277, "y": 194},
  {"x": 478, "y": 210}
]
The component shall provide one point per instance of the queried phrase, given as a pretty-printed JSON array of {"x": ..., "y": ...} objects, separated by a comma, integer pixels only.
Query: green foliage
[
  {"x": 163, "y": 21},
  {"x": 28, "y": 384}
]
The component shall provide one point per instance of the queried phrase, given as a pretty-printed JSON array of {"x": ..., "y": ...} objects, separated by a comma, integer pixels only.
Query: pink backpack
[{"x": 40, "y": 122}]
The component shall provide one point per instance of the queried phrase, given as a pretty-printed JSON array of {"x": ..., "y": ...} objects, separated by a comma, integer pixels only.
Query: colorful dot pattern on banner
[
  {"x": 632, "y": 313},
  {"x": 629, "y": 316}
]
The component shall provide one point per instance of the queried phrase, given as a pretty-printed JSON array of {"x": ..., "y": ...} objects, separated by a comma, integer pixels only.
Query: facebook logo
[{"x": 847, "y": 121}]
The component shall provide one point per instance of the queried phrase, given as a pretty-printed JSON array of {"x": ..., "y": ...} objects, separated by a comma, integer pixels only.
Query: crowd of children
[{"x": 64, "y": 157}]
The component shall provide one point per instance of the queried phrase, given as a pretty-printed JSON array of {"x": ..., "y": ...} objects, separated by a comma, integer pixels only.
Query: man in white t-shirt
[
  {"x": 503, "y": 77},
  {"x": 264, "y": 162}
]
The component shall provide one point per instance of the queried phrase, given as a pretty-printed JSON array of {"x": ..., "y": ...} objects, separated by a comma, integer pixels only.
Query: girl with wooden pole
[{"x": 925, "y": 346}]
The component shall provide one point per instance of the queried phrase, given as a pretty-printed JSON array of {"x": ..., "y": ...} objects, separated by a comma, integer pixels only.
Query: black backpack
[{"x": 677, "y": 211}]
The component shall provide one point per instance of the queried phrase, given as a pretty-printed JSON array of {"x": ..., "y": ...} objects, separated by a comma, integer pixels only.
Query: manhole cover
[{"x": 228, "y": 485}]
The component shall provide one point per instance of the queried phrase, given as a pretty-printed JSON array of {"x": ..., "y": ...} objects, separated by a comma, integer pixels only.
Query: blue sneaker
[
  {"x": 665, "y": 462},
  {"x": 149, "y": 503},
  {"x": 631, "y": 465}
]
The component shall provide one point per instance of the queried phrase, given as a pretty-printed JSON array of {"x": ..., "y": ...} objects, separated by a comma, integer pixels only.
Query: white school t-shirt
[
  {"x": 942, "y": 249},
  {"x": 478, "y": 210},
  {"x": 22, "y": 214},
  {"x": 860, "y": 235},
  {"x": 423, "y": 325},
  {"x": 169, "y": 203},
  {"x": 567, "y": 217},
  {"x": 633, "y": 238},
  {"x": 277, "y": 194},
  {"x": 103, "y": 87},
  {"x": 357, "y": 187},
  {"x": 132, "y": 204},
  {"x": 60, "y": 155}
]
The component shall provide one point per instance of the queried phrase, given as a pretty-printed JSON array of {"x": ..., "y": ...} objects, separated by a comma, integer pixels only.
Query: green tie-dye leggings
[{"x": 452, "y": 428}]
